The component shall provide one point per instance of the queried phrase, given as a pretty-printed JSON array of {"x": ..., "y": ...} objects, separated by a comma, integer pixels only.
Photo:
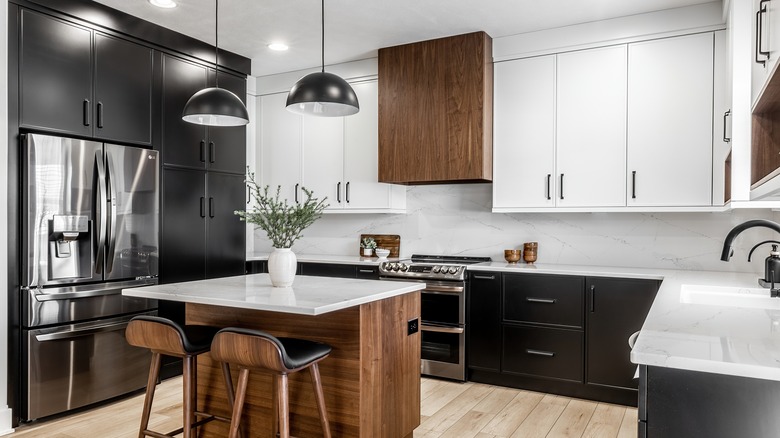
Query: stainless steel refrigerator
[{"x": 90, "y": 228}]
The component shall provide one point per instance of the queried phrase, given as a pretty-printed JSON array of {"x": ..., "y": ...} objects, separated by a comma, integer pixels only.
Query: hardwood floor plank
[
  {"x": 496, "y": 400},
  {"x": 605, "y": 422},
  {"x": 442, "y": 395},
  {"x": 429, "y": 386},
  {"x": 448, "y": 415},
  {"x": 573, "y": 420},
  {"x": 484, "y": 435},
  {"x": 542, "y": 418},
  {"x": 628, "y": 428},
  {"x": 469, "y": 425},
  {"x": 514, "y": 413}
]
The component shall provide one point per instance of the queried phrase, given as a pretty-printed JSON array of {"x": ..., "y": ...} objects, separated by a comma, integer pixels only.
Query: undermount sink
[{"x": 754, "y": 298}]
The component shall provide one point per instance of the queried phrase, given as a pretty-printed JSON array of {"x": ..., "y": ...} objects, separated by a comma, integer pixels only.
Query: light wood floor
[{"x": 456, "y": 410}]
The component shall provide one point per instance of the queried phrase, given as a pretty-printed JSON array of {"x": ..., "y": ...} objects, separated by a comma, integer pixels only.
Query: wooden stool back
[
  {"x": 159, "y": 338},
  {"x": 248, "y": 351}
]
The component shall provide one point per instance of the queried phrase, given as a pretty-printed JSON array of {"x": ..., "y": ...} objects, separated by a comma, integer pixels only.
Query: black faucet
[{"x": 769, "y": 277}]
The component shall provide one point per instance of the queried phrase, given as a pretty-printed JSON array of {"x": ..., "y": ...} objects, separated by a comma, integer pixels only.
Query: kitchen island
[{"x": 371, "y": 379}]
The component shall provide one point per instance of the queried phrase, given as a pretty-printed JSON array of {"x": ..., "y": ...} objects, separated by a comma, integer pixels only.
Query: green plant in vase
[{"x": 283, "y": 223}]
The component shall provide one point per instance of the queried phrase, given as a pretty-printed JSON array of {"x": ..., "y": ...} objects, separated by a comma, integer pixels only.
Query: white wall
[
  {"x": 456, "y": 219},
  {"x": 5, "y": 412}
]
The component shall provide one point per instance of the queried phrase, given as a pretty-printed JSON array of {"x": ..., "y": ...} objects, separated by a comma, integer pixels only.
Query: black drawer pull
[
  {"x": 367, "y": 271},
  {"x": 542, "y": 300},
  {"x": 483, "y": 277},
  {"x": 540, "y": 352}
]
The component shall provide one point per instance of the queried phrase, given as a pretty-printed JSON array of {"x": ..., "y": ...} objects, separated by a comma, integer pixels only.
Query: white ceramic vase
[{"x": 281, "y": 267}]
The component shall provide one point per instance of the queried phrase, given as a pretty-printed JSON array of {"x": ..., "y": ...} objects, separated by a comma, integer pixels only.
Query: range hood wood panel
[{"x": 436, "y": 111}]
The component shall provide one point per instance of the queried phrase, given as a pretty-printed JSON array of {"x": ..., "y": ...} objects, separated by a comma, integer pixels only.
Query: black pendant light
[
  {"x": 215, "y": 106},
  {"x": 322, "y": 94}
]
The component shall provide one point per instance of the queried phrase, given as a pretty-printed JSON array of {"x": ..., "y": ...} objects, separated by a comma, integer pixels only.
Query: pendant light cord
[
  {"x": 216, "y": 44},
  {"x": 322, "y": 15}
]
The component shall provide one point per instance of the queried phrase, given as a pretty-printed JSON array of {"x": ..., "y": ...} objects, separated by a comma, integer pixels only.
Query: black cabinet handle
[
  {"x": 202, "y": 206},
  {"x": 296, "y": 193},
  {"x": 347, "y": 190},
  {"x": 561, "y": 186},
  {"x": 540, "y": 352},
  {"x": 483, "y": 277},
  {"x": 100, "y": 115},
  {"x": 759, "y": 32},
  {"x": 212, "y": 152},
  {"x": 725, "y": 117},
  {"x": 203, "y": 151},
  {"x": 211, "y": 207},
  {"x": 248, "y": 194},
  {"x": 633, "y": 184},
  {"x": 542, "y": 300},
  {"x": 338, "y": 192},
  {"x": 367, "y": 271},
  {"x": 549, "y": 176},
  {"x": 86, "y": 111},
  {"x": 592, "y": 298}
]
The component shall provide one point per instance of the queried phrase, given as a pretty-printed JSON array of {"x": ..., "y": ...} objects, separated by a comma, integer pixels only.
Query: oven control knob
[
  {"x": 453, "y": 269},
  {"x": 394, "y": 267},
  {"x": 436, "y": 269},
  {"x": 404, "y": 267}
]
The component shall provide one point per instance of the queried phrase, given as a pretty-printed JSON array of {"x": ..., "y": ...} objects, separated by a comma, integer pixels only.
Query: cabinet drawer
[
  {"x": 544, "y": 352},
  {"x": 544, "y": 299},
  {"x": 368, "y": 272}
]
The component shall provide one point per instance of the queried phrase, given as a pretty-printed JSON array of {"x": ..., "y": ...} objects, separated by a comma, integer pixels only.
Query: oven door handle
[
  {"x": 70, "y": 334},
  {"x": 438, "y": 329},
  {"x": 440, "y": 289},
  {"x": 86, "y": 291}
]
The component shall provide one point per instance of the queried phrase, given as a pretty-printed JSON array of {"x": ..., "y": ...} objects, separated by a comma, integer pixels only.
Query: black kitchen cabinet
[
  {"x": 183, "y": 246},
  {"x": 201, "y": 237},
  {"x": 483, "y": 321},
  {"x": 543, "y": 352},
  {"x": 75, "y": 80},
  {"x": 616, "y": 308},
  {"x": 543, "y": 299},
  {"x": 189, "y": 145},
  {"x": 257, "y": 267},
  {"x": 226, "y": 241},
  {"x": 338, "y": 270}
]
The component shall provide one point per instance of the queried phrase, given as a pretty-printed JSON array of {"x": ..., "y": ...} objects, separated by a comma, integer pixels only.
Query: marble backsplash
[{"x": 456, "y": 220}]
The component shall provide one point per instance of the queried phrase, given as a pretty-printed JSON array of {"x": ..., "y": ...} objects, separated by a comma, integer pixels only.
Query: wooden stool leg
[
  {"x": 151, "y": 385},
  {"x": 189, "y": 416},
  {"x": 231, "y": 395},
  {"x": 275, "y": 407},
  {"x": 320, "y": 398},
  {"x": 284, "y": 405},
  {"x": 238, "y": 407}
]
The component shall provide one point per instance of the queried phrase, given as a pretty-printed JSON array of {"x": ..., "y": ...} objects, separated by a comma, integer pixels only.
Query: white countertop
[
  {"x": 308, "y": 296},
  {"x": 322, "y": 258},
  {"x": 603, "y": 271}
]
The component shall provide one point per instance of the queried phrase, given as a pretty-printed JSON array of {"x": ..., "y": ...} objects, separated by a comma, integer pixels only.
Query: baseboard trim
[{"x": 5, "y": 421}]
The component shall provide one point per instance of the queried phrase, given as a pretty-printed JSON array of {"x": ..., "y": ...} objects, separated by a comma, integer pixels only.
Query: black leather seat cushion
[
  {"x": 296, "y": 353},
  {"x": 196, "y": 339}
]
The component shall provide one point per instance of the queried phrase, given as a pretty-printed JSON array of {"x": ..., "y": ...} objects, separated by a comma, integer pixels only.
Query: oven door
[{"x": 443, "y": 330}]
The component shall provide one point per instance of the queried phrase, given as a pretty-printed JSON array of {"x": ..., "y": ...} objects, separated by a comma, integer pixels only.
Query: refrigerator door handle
[
  {"x": 100, "y": 204},
  {"x": 112, "y": 207},
  {"x": 70, "y": 334}
]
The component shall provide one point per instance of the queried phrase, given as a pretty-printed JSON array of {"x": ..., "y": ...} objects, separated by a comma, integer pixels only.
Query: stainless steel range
[{"x": 443, "y": 309}]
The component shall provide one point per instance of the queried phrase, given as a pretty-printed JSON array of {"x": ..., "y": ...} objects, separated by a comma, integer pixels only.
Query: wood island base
[{"x": 371, "y": 380}]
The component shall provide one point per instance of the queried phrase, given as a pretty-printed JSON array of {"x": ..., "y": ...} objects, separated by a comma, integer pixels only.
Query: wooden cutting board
[{"x": 386, "y": 241}]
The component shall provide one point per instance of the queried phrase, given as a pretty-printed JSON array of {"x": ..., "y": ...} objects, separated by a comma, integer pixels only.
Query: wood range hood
[{"x": 436, "y": 111}]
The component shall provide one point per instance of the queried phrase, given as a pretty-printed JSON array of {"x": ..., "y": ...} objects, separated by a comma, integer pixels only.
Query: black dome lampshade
[
  {"x": 215, "y": 106},
  {"x": 323, "y": 94}
]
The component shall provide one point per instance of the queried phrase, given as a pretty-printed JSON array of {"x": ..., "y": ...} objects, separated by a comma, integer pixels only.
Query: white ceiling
[{"x": 355, "y": 29}]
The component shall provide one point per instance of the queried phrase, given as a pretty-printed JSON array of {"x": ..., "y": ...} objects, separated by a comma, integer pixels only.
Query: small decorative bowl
[
  {"x": 512, "y": 255},
  {"x": 381, "y": 252}
]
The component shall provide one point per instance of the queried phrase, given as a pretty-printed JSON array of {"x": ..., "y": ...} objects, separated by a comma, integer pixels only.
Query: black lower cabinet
[
  {"x": 561, "y": 334},
  {"x": 257, "y": 267},
  {"x": 338, "y": 270},
  {"x": 682, "y": 403},
  {"x": 483, "y": 315}
]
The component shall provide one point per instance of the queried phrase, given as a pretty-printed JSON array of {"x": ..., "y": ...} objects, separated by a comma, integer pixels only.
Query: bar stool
[
  {"x": 258, "y": 350},
  {"x": 164, "y": 336}
]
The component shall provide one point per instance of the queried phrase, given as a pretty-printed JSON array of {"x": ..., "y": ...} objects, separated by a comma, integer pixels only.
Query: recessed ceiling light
[
  {"x": 167, "y": 4},
  {"x": 279, "y": 47}
]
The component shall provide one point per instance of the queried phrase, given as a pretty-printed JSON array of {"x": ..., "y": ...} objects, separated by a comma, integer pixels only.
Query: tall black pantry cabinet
[{"x": 203, "y": 181}]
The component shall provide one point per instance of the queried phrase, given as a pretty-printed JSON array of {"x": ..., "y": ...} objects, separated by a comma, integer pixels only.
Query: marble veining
[
  {"x": 457, "y": 220},
  {"x": 307, "y": 296}
]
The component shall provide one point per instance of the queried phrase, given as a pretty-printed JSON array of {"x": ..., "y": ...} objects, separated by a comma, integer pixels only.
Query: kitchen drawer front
[
  {"x": 544, "y": 352},
  {"x": 368, "y": 272},
  {"x": 544, "y": 299}
]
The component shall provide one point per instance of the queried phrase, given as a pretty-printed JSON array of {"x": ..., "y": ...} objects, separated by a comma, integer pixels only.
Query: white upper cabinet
[
  {"x": 280, "y": 146},
  {"x": 524, "y": 133},
  {"x": 335, "y": 157},
  {"x": 591, "y": 128},
  {"x": 766, "y": 42},
  {"x": 670, "y": 112}
]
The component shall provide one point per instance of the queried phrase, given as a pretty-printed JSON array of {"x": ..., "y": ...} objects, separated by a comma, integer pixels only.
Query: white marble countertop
[
  {"x": 323, "y": 258},
  {"x": 603, "y": 271},
  {"x": 308, "y": 296}
]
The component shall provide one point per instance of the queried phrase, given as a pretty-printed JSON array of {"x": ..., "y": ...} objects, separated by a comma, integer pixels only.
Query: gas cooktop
[{"x": 434, "y": 267}]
